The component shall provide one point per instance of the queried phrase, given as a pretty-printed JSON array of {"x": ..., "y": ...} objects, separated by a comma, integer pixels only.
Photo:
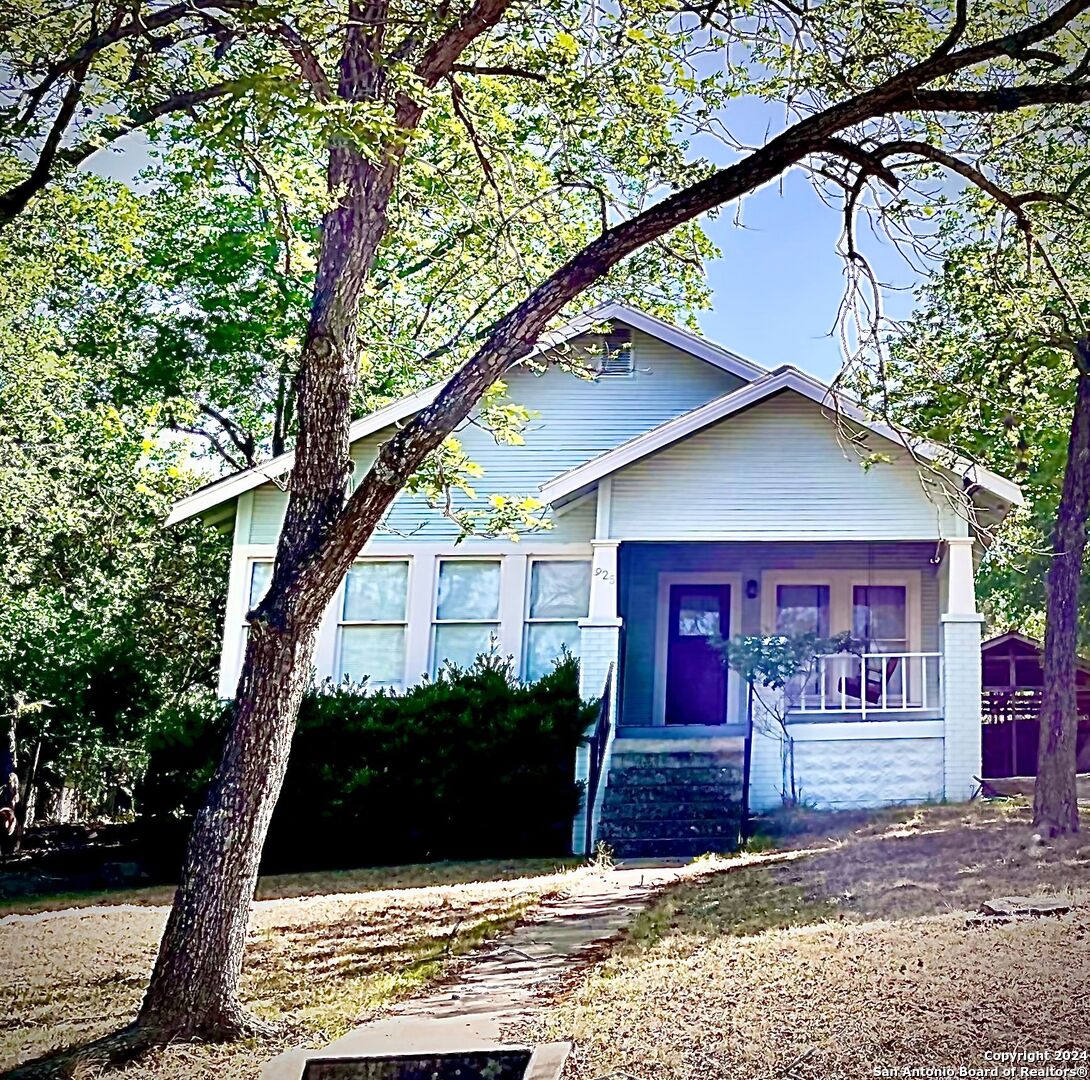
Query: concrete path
[{"x": 508, "y": 980}]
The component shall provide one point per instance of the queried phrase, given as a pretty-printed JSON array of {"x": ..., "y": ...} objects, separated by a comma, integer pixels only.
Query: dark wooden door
[{"x": 696, "y": 678}]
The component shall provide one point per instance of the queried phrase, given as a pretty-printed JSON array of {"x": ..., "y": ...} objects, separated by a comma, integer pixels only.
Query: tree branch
[
  {"x": 443, "y": 53},
  {"x": 457, "y": 100},
  {"x": 499, "y": 70},
  {"x": 216, "y": 445},
  {"x": 306, "y": 60},
  {"x": 869, "y": 163},
  {"x": 961, "y": 21},
  {"x": 1007, "y": 99},
  {"x": 140, "y": 23},
  {"x": 15, "y": 199}
]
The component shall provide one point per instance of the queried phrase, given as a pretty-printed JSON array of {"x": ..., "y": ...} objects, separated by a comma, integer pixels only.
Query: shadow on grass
[
  {"x": 314, "y": 883},
  {"x": 808, "y": 867}
]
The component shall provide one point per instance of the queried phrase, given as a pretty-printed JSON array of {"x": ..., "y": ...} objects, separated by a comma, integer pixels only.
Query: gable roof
[
  {"x": 231, "y": 487},
  {"x": 1011, "y": 637},
  {"x": 1028, "y": 646},
  {"x": 582, "y": 476}
]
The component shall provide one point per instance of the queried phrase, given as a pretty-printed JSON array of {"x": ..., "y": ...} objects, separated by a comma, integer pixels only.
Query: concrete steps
[{"x": 672, "y": 803}]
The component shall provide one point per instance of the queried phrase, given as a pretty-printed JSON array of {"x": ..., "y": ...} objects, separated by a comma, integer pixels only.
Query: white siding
[
  {"x": 268, "y": 514},
  {"x": 778, "y": 470},
  {"x": 579, "y": 419}
]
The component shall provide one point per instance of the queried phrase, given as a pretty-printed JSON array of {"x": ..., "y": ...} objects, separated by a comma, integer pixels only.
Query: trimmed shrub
[{"x": 471, "y": 765}]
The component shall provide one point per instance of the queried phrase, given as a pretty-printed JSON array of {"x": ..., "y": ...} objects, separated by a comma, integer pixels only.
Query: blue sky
[{"x": 779, "y": 282}]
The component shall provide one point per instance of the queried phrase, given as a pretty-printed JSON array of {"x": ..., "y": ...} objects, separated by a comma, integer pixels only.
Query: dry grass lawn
[
  {"x": 846, "y": 954},
  {"x": 318, "y": 961}
]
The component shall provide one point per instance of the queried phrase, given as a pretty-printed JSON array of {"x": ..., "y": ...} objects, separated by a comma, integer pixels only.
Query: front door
[{"x": 696, "y": 678}]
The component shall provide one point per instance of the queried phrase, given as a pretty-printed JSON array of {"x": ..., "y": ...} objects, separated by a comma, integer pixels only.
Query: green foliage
[
  {"x": 103, "y": 614},
  {"x": 985, "y": 365},
  {"x": 474, "y": 763},
  {"x": 773, "y": 661}
]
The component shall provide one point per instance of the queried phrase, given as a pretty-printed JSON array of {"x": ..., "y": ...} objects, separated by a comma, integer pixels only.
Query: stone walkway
[{"x": 506, "y": 981}]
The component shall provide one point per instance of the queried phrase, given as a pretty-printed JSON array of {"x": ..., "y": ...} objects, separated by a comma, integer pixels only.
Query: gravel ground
[
  {"x": 317, "y": 964},
  {"x": 845, "y": 956}
]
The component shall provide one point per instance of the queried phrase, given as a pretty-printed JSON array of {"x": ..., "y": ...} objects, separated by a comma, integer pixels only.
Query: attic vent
[{"x": 615, "y": 358}]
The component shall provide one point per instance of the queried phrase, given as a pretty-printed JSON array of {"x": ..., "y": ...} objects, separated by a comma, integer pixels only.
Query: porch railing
[
  {"x": 598, "y": 747},
  {"x": 868, "y": 683}
]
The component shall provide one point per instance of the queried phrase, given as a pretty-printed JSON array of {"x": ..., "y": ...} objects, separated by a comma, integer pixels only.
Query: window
[
  {"x": 698, "y": 615},
  {"x": 260, "y": 576},
  {"x": 559, "y": 598},
  {"x": 880, "y": 617},
  {"x": 802, "y": 609},
  {"x": 467, "y": 611},
  {"x": 880, "y": 621},
  {"x": 372, "y": 638}
]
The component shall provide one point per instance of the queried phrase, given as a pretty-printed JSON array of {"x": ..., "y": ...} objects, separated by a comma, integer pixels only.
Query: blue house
[{"x": 689, "y": 492}]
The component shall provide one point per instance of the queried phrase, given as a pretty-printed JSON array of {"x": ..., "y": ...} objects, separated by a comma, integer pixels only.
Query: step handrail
[{"x": 598, "y": 745}]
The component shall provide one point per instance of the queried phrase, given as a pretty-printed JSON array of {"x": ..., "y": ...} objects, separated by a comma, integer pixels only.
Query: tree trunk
[
  {"x": 1055, "y": 810},
  {"x": 10, "y": 823},
  {"x": 194, "y": 987}
]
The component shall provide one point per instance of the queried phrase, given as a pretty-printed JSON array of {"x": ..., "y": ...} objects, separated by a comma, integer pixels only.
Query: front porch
[{"x": 896, "y": 721}]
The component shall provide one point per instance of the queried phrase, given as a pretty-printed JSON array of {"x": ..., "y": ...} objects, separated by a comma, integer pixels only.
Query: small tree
[{"x": 776, "y": 668}]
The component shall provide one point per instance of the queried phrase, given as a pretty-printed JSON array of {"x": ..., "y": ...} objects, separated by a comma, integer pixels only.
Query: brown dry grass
[
  {"x": 846, "y": 953},
  {"x": 317, "y": 964},
  {"x": 316, "y": 883}
]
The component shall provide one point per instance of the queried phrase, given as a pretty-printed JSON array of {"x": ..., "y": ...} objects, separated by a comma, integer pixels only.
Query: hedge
[{"x": 473, "y": 764}]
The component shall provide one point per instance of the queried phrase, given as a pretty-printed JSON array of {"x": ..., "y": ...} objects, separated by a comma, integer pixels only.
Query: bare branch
[
  {"x": 14, "y": 200},
  {"x": 961, "y": 21},
  {"x": 234, "y": 462},
  {"x": 141, "y": 23},
  {"x": 306, "y": 60},
  {"x": 457, "y": 99},
  {"x": 498, "y": 70},
  {"x": 868, "y": 163}
]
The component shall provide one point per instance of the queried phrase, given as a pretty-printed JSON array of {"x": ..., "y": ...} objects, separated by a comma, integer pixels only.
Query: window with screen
[
  {"x": 372, "y": 624},
  {"x": 467, "y": 611},
  {"x": 559, "y": 597}
]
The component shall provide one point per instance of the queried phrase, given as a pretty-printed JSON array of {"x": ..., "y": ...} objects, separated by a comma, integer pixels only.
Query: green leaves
[
  {"x": 775, "y": 660},
  {"x": 102, "y": 613}
]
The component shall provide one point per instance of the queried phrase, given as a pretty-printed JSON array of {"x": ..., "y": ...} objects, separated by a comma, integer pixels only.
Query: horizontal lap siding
[
  {"x": 777, "y": 468},
  {"x": 641, "y": 564},
  {"x": 578, "y": 419}
]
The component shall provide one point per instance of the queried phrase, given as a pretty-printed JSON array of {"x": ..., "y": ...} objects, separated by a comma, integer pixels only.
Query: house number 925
[{"x": 606, "y": 575}]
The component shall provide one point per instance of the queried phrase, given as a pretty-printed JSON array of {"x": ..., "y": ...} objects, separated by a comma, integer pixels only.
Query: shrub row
[{"x": 474, "y": 764}]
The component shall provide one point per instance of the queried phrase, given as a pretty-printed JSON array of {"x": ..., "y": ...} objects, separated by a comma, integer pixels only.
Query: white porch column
[
  {"x": 961, "y": 675},
  {"x": 600, "y": 632},
  {"x": 599, "y": 647}
]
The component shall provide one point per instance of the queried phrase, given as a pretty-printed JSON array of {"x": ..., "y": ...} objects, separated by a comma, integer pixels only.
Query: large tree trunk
[
  {"x": 194, "y": 988},
  {"x": 1055, "y": 810}
]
